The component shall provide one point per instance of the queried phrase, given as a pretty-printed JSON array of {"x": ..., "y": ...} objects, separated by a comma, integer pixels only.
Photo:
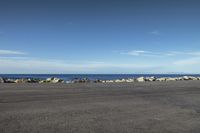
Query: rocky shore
[{"x": 86, "y": 80}]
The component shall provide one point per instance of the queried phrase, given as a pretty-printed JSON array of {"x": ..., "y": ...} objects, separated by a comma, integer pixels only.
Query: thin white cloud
[
  {"x": 13, "y": 57},
  {"x": 188, "y": 62},
  {"x": 24, "y": 64},
  {"x": 61, "y": 64},
  {"x": 136, "y": 52},
  {"x": 161, "y": 54},
  {"x": 194, "y": 53},
  {"x": 16, "y": 65},
  {"x": 173, "y": 53},
  {"x": 11, "y": 52},
  {"x": 155, "y": 32},
  {"x": 143, "y": 53}
]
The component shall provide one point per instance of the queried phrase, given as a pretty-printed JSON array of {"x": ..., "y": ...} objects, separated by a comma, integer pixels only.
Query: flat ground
[{"x": 152, "y": 107}]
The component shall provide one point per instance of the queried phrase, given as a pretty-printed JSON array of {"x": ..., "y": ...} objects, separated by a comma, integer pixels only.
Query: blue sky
[{"x": 99, "y": 36}]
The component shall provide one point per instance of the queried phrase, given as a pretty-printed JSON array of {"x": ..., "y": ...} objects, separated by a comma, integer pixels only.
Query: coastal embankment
[{"x": 87, "y": 80}]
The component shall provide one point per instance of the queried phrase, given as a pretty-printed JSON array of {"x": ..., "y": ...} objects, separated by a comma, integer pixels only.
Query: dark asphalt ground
[{"x": 151, "y": 107}]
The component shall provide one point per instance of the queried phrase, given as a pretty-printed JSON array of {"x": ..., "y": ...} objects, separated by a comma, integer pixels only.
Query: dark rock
[
  {"x": 98, "y": 81},
  {"x": 9, "y": 81},
  {"x": 85, "y": 80},
  {"x": 33, "y": 80},
  {"x": 77, "y": 80}
]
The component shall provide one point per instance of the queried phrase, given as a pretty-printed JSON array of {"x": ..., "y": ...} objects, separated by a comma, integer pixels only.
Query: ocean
[{"x": 68, "y": 77}]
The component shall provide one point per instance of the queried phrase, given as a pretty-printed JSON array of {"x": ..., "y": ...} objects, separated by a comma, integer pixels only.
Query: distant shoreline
[{"x": 86, "y": 79}]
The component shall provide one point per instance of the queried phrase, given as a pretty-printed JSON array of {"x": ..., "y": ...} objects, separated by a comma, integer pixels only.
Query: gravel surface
[{"x": 151, "y": 107}]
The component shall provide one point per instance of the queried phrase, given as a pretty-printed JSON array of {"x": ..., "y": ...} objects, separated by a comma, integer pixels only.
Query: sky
[{"x": 99, "y": 36}]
